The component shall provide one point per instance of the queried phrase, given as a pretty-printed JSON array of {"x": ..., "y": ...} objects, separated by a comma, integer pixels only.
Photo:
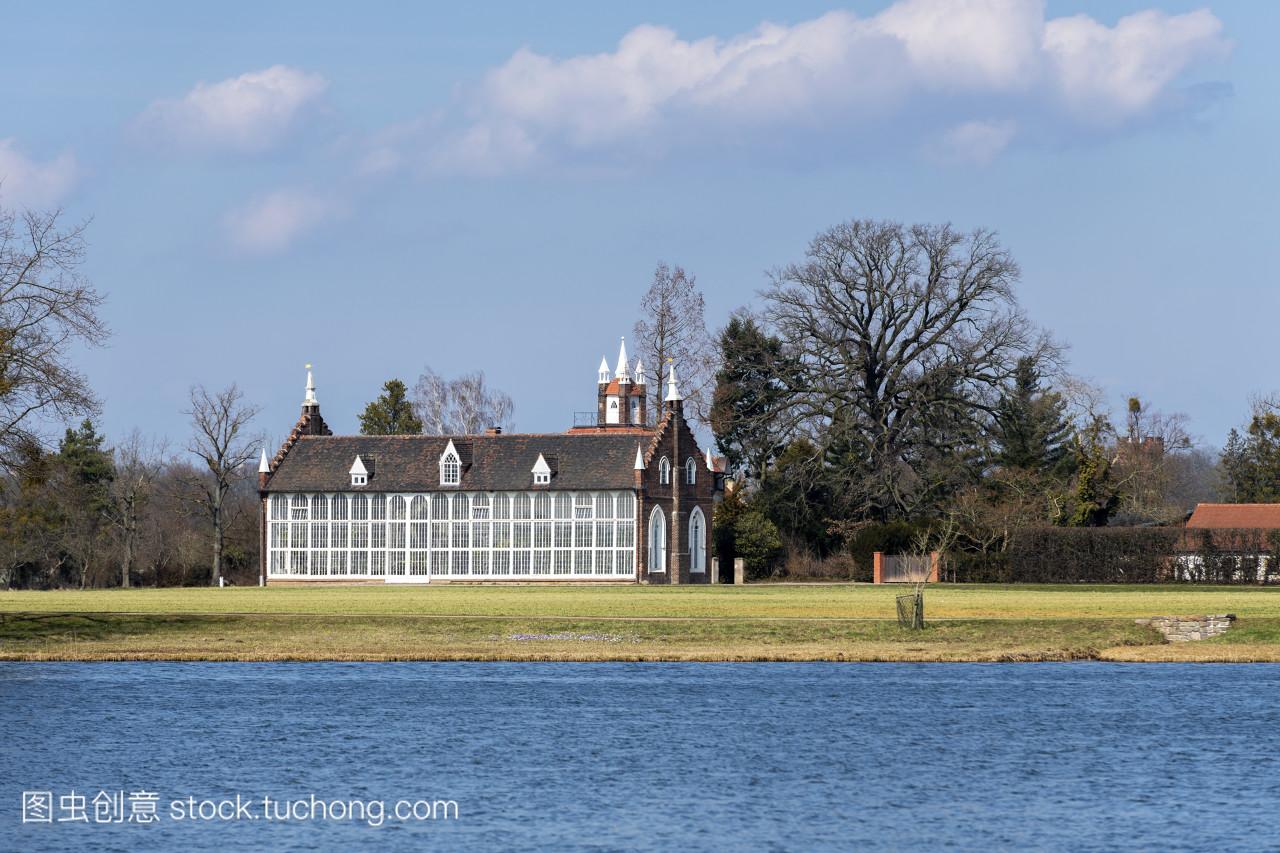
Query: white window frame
[
  {"x": 657, "y": 539},
  {"x": 697, "y": 541},
  {"x": 690, "y": 471},
  {"x": 664, "y": 472},
  {"x": 450, "y": 467}
]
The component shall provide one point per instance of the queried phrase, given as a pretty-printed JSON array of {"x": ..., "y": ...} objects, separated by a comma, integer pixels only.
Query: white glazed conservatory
[{"x": 460, "y": 535}]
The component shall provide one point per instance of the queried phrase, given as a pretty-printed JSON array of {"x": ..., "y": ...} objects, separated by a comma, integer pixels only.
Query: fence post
[
  {"x": 935, "y": 561},
  {"x": 715, "y": 570},
  {"x": 739, "y": 570},
  {"x": 877, "y": 567}
]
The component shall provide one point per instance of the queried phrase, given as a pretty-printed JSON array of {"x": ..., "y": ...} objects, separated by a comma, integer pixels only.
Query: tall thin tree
[
  {"x": 673, "y": 329},
  {"x": 220, "y": 422}
]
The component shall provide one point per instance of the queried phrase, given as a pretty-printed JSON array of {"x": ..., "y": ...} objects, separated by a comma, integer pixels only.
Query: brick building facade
[{"x": 617, "y": 500}]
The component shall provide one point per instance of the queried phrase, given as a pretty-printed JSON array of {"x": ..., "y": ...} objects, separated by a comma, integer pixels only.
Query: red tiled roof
[
  {"x": 615, "y": 387},
  {"x": 1228, "y": 516}
]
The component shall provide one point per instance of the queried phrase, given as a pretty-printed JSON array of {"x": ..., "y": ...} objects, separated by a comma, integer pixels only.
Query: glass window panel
[
  {"x": 398, "y": 507},
  {"x": 319, "y": 507},
  {"x": 542, "y": 506},
  {"x": 418, "y": 507},
  {"x": 501, "y": 506},
  {"x": 564, "y": 505},
  {"x": 298, "y": 508},
  {"x": 359, "y": 508},
  {"x": 378, "y": 507},
  {"x": 604, "y": 505},
  {"x": 523, "y": 506},
  {"x": 338, "y": 507}
]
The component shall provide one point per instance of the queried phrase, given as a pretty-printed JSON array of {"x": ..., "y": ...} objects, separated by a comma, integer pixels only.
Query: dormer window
[
  {"x": 664, "y": 472},
  {"x": 450, "y": 466},
  {"x": 541, "y": 472},
  {"x": 359, "y": 473},
  {"x": 690, "y": 471}
]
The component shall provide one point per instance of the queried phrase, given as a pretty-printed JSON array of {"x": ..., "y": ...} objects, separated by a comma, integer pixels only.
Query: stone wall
[{"x": 1180, "y": 629}]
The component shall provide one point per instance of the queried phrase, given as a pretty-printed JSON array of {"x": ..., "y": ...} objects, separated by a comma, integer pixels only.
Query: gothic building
[{"x": 617, "y": 500}]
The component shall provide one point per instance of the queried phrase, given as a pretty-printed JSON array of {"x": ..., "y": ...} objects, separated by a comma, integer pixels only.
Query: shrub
[
  {"x": 801, "y": 563},
  {"x": 757, "y": 542}
]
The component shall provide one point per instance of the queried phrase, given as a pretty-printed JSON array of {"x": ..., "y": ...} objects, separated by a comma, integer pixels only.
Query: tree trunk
[
  {"x": 217, "y": 546},
  {"x": 128, "y": 557}
]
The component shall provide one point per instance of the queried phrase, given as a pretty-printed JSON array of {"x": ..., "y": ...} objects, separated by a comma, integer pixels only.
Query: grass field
[{"x": 756, "y": 622}]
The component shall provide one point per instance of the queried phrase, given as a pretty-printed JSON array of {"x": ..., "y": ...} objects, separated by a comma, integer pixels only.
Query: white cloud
[
  {"x": 1109, "y": 74},
  {"x": 272, "y": 222},
  {"x": 27, "y": 183},
  {"x": 248, "y": 113},
  {"x": 910, "y": 73}
]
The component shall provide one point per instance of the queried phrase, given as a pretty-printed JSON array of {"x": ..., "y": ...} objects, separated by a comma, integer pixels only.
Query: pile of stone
[{"x": 1181, "y": 629}]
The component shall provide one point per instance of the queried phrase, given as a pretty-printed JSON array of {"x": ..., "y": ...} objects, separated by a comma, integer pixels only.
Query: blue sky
[{"x": 490, "y": 188}]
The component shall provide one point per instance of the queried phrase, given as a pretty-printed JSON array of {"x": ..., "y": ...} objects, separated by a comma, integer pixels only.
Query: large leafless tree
[
  {"x": 220, "y": 426},
  {"x": 47, "y": 308},
  {"x": 673, "y": 329},
  {"x": 461, "y": 406},
  {"x": 897, "y": 339}
]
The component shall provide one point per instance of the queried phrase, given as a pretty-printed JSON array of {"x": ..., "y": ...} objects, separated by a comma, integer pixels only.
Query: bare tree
[
  {"x": 673, "y": 328},
  {"x": 139, "y": 463},
  {"x": 462, "y": 406},
  {"x": 46, "y": 308},
  {"x": 220, "y": 421},
  {"x": 897, "y": 340}
]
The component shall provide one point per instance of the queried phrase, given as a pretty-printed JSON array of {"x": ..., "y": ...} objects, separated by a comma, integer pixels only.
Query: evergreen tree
[
  {"x": 391, "y": 413},
  {"x": 746, "y": 394},
  {"x": 1031, "y": 429},
  {"x": 84, "y": 471},
  {"x": 89, "y": 466},
  {"x": 1251, "y": 462}
]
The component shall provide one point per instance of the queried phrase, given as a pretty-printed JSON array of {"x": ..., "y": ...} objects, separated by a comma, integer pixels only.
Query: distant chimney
[{"x": 493, "y": 431}]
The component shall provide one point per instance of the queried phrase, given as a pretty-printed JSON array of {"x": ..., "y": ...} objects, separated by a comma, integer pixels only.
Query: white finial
[
  {"x": 639, "y": 372},
  {"x": 264, "y": 467},
  {"x": 673, "y": 393},
  {"x": 310, "y": 399},
  {"x": 639, "y": 459},
  {"x": 604, "y": 370},
  {"x": 711, "y": 465},
  {"x": 623, "y": 373}
]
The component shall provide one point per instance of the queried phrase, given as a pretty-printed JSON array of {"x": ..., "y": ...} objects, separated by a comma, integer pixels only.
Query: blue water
[{"x": 654, "y": 756}]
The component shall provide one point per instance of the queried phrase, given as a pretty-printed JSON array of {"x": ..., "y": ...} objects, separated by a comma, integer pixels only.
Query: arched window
[
  {"x": 664, "y": 471},
  {"x": 657, "y": 540},
  {"x": 450, "y": 467},
  {"x": 690, "y": 471},
  {"x": 697, "y": 541}
]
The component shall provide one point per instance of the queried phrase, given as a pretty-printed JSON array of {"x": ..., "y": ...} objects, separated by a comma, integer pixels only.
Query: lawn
[{"x": 754, "y": 622}]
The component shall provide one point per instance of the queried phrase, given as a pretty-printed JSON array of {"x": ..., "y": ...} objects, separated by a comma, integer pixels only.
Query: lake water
[{"x": 556, "y": 757}]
